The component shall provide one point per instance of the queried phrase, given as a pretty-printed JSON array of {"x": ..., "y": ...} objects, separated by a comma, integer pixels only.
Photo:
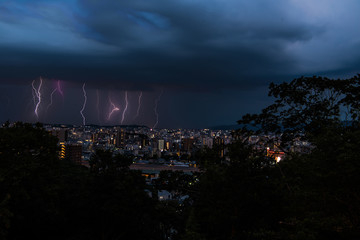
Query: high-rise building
[
  {"x": 161, "y": 144},
  {"x": 188, "y": 144},
  {"x": 207, "y": 142},
  {"x": 120, "y": 138},
  {"x": 73, "y": 153},
  {"x": 219, "y": 143}
]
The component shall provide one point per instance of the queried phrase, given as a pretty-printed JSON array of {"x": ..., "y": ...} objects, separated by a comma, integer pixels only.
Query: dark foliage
[
  {"x": 309, "y": 195},
  {"x": 42, "y": 197}
]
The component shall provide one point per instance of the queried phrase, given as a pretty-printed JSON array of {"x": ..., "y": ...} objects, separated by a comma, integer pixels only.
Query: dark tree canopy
[
  {"x": 43, "y": 197},
  {"x": 308, "y": 195},
  {"x": 306, "y": 107}
]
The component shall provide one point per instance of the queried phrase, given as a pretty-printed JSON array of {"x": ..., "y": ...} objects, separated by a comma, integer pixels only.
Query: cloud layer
[
  {"x": 176, "y": 43},
  {"x": 181, "y": 45}
]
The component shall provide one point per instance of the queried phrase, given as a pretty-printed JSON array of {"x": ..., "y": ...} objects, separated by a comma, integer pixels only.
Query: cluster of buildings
[
  {"x": 176, "y": 147},
  {"x": 154, "y": 150},
  {"x": 77, "y": 143}
]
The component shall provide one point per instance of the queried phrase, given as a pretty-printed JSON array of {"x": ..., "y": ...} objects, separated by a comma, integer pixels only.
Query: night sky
[{"x": 198, "y": 63}]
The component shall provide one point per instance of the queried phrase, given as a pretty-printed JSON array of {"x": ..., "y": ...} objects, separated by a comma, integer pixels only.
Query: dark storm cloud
[
  {"x": 213, "y": 59},
  {"x": 138, "y": 44},
  {"x": 197, "y": 42}
]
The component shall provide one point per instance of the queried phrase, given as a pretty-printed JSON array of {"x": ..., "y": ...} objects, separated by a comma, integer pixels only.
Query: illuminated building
[
  {"x": 277, "y": 155},
  {"x": 219, "y": 143},
  {"x": 207, "y": 141},
  {"x": 112, "y": 139},
  {"x": 62, "y": 150},
  {"x": 120, "y": 138},
  {"x": 161, "y": 144}
]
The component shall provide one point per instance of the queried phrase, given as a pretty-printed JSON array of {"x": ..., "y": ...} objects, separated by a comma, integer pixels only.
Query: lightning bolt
[
  {"x": 37, "y": 95},
  {"x": 59, "y": 88},
  {"x": 125, "y": 109},
  {"x": 155, "y": 110},
  {"x": 139, "y": 105},
  {"x": 84, "y": 105},
  {"x": 114, "y": 109},
  {"x": 51, "y": 98}
]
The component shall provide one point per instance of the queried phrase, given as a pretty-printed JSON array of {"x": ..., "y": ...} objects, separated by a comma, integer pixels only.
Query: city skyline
[{"x": 190, "y": 64}]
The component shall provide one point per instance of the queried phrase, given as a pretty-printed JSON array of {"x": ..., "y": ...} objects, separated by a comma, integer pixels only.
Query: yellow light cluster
[{"x": 62, "y": 150}]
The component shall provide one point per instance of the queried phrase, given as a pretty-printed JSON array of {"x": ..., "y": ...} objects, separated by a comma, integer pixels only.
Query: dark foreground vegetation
[{"x": 247, "y": 195}]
